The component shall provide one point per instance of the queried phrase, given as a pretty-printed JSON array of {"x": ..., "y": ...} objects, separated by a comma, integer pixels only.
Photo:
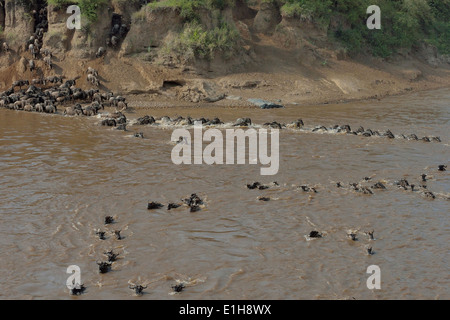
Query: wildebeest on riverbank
[{"x": 47, "y": 100}]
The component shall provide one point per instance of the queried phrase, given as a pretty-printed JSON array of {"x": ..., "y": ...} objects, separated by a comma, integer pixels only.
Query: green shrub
[
  {"x": 89, "y": 8},
  {"x": 441, "y": 38},
  {"x": 320, "y": 11},
  {"x": 189, "y": 8},
  {"x": 196, "y": 42},
  {"x": 60, "y": 3}
]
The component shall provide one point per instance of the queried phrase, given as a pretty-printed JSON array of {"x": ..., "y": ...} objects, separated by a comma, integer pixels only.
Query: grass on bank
[
  {"x": 189, "y": 8},
  {"x": 88, "y": 8},
  {"x": 197, "y": 42},
  {"x": 404, "y": 23}
]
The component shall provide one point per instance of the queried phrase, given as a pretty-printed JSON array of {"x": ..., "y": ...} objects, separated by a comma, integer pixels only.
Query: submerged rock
[{"x": 263, "y": 104}]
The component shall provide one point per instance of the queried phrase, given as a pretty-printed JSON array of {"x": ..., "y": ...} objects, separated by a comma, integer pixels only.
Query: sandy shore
[{"x": 278, "y": 77}]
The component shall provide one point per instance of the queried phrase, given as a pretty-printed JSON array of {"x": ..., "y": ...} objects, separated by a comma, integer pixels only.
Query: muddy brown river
[{"x": 60, "y": 177}]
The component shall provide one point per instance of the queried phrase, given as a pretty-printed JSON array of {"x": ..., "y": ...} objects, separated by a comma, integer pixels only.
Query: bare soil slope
[{"x": 280, "y": 60}]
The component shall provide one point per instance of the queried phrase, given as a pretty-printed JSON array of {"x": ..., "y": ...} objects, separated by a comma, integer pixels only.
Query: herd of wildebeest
[
  {"x": 52, "y": 93},
  {"x": 73, "y": 101},
  {"x": 46, "y": 93},
  {"x": 49, "y": 94},
  {"x": 58, "y": 95}
]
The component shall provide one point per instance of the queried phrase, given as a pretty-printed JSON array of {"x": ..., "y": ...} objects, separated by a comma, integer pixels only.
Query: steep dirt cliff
[{"x": 18, "y": 21}]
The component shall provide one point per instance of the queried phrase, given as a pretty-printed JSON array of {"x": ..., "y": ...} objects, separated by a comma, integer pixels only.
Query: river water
[{"x": 60, "y": 177}]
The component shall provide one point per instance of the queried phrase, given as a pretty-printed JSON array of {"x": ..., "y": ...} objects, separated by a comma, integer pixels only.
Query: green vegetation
[
  {"x": 189, "y": 9},
  {"x": 139, "y": 16},
  {"x": 88, "y": 7},
  {"x": 320, "y": 11},
  {"x": 197, "y": 42},
  {"x": 60, "y": 3},
  {"x": 404, "y": 22},
  {"x": 440, "y": 10}
]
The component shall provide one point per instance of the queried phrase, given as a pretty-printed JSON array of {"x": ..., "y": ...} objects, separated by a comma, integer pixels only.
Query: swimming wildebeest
[
  {"x": 138, "y": 288},
  {"x": 154, "y": 205},
  {"x": 101, "y": 235},
  {"x": 117, "y": 233},
  {"x": 109, "y": 220},
  {"x": 315, "y": 234},
  {"x": 77, "y": 290},
  {"x": 111, "y": 256},
  {"x": 104, "y": 267},
  {"x": 178, "y": 288}
]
